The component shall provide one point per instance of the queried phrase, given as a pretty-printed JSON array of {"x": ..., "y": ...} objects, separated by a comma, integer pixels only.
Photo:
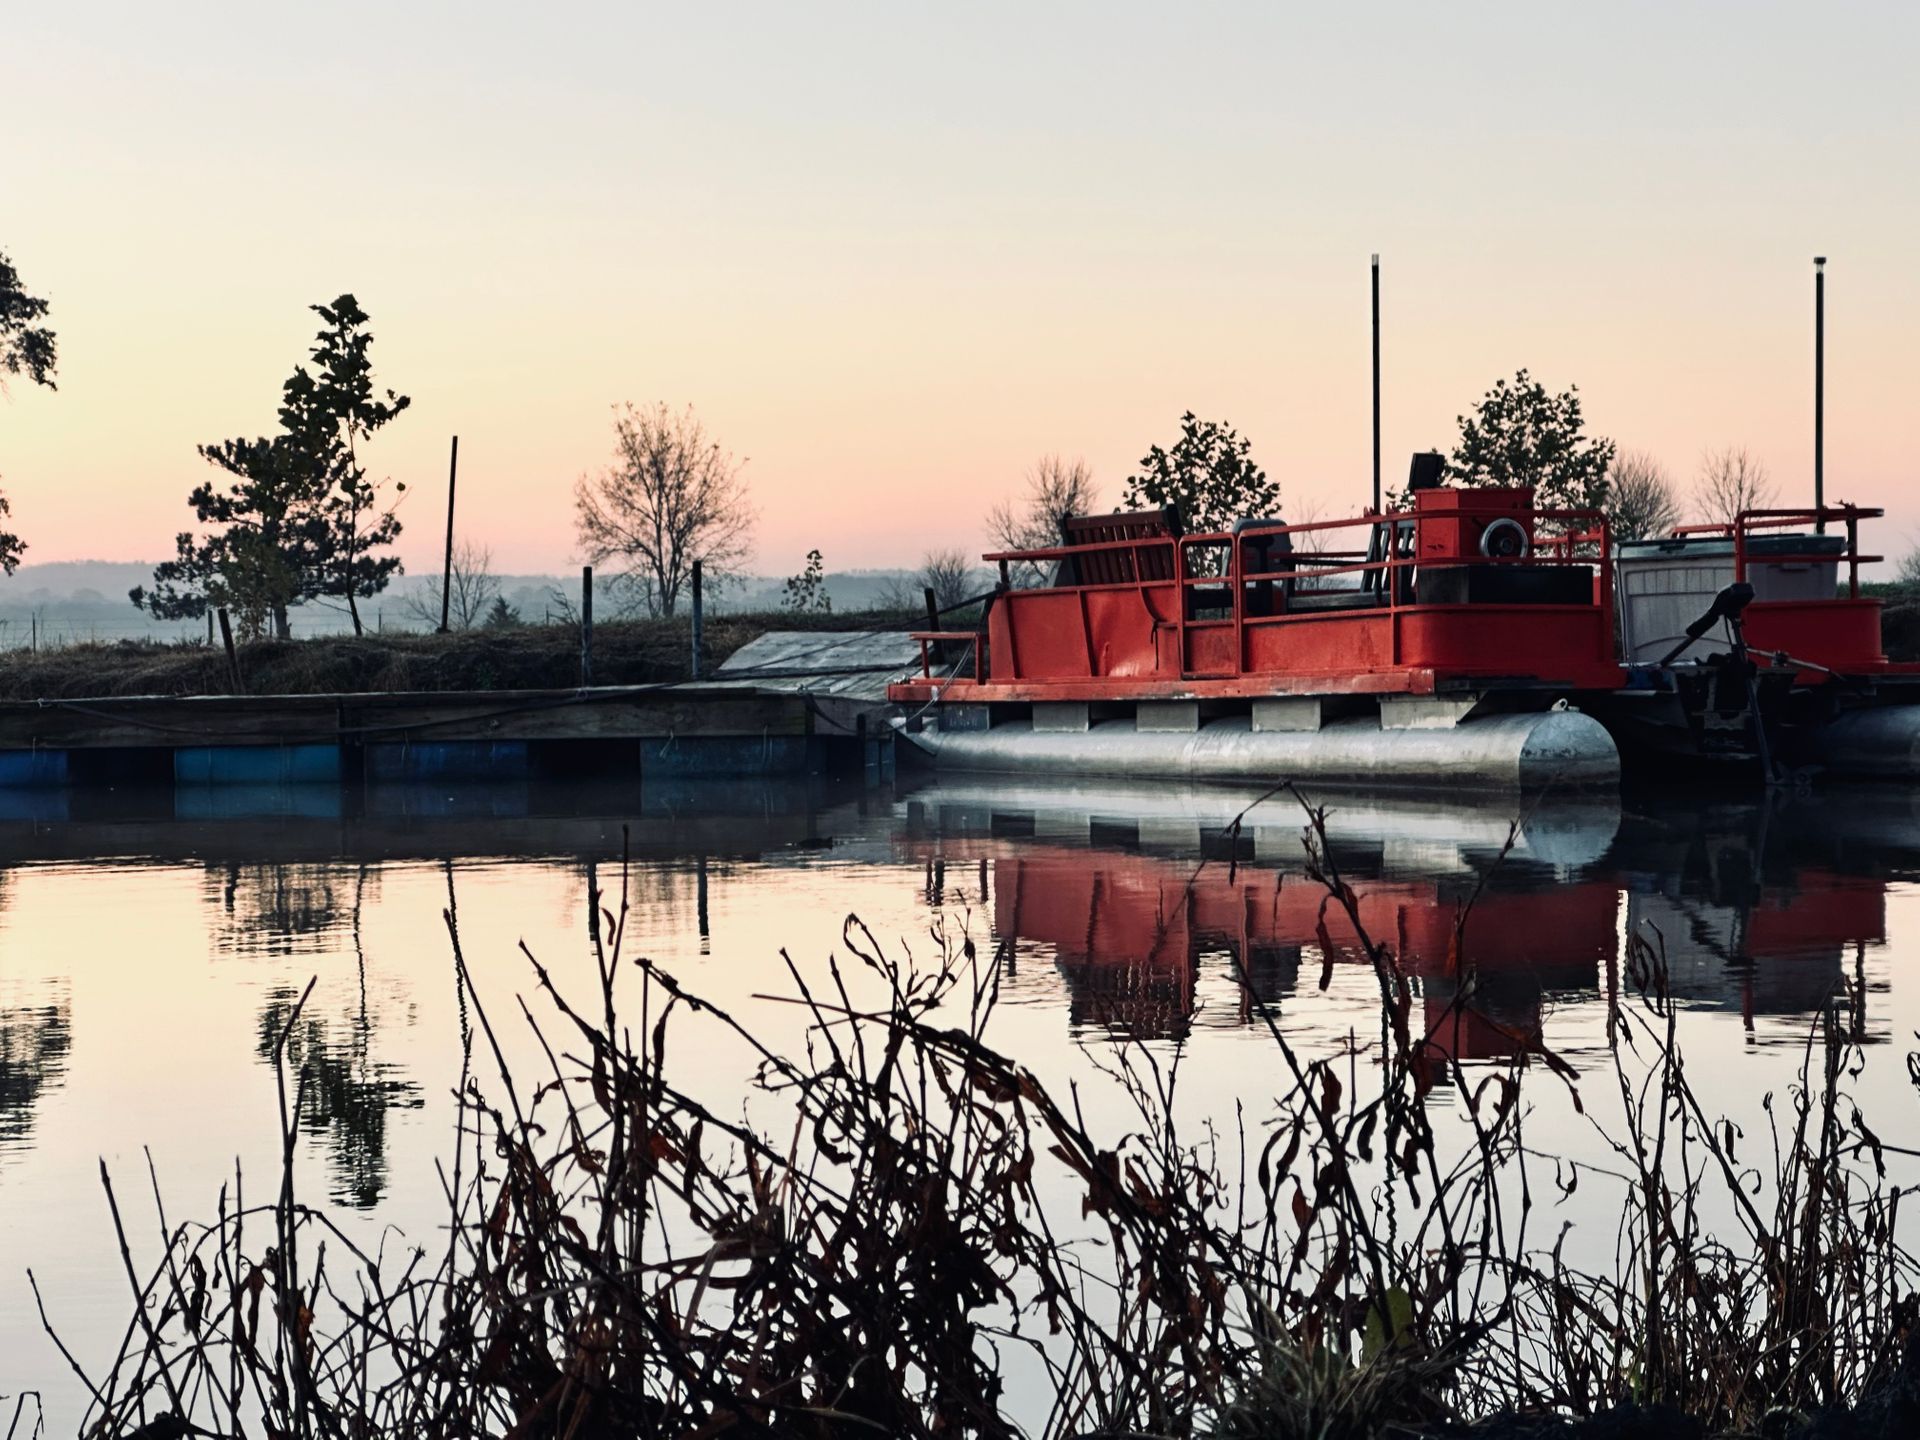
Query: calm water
[{"x": 150, "y": 947}]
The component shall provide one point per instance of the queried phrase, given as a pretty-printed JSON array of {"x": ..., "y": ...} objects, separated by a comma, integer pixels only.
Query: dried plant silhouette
[{"x": 904, "y": 1231}]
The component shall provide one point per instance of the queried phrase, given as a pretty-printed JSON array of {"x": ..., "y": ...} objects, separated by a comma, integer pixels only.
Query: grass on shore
[{"x": 520, "y": 657}]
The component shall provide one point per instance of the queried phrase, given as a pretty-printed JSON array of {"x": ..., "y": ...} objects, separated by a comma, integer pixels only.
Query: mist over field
[{"x": 72, "y": 601}]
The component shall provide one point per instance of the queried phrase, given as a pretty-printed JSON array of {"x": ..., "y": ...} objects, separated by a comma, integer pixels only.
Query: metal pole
[
  {"x": 696, "y": 634},
  {"x": 446, "y": 575},
  {"x": 1819, "y": 388},
  {"x": 586, "y": 625},
  {"x": 1376, "y": 384}
]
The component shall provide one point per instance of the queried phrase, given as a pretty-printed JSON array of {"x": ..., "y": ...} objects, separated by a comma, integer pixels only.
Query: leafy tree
[
  {"x": 334, "y": 412},
  {"x": 26, "y": 348},
  {"x": 1641, "y": 500},
  {"x": 671, "y": 497},
  {"x": 1208, "y": 479},
  {"x": 300, "y": 519},
  {"x": 807, "y": 591},
  {"x": 1520, "y": 435}
]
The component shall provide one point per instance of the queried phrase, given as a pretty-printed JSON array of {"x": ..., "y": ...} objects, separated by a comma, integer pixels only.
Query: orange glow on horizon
[{"x": 893, "y": 259}]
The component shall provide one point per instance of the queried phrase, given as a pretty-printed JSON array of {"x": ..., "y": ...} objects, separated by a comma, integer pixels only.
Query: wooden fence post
[
  {"x": 696, "y": 619},
  {"x": 586, "y": 625},
  {"x": 233, "y": 656}
]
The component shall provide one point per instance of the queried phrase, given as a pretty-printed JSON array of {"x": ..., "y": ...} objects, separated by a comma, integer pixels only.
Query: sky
[{"x": 894, "y": 253}]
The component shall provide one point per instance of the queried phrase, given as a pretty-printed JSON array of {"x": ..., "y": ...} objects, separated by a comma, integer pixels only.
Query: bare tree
[
  {"x": 948, "y": 573},
  {"x": 1056, "y": 489},
  {"x": 1641, "y": 500},
  {"x": 472, "y": 592},
  {"x": 1731, "y": 480},
  {"x": 670, "y": 497}
]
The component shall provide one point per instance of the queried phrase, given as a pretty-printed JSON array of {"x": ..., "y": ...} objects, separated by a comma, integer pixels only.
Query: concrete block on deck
[
  {"x": 1167, "y": 717},
  {"x": 1288, "y": 713},
  {"x": 1059, "y": 717},
  {"x": 1424, "y": 712}
]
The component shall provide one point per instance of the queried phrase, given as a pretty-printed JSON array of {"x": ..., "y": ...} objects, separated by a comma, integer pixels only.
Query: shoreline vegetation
[
  {"x": 929, "y": 1241},
  {"x": 517, "y": 657}
]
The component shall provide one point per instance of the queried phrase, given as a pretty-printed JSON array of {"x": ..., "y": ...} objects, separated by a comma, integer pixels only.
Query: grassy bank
[
  {"x": 924, "y": 1217},
  {"x": 522, "y": 657}
]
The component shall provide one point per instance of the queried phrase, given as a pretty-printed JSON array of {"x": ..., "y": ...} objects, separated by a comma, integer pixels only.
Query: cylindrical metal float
[
  {"x": 1881, "y": 741},
  {"x": 1561, "y": 748}
]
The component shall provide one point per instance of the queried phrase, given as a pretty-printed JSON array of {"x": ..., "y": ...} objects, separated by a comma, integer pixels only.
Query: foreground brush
[{"x": 904, "y": 1232}]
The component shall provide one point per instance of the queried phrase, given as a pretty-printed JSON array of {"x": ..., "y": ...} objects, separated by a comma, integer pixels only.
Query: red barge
[{"x": 1474, "y": 637}]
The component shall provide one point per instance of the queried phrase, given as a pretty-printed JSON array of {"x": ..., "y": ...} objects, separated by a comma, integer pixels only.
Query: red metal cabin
[{"x": 1468, "y": 590}]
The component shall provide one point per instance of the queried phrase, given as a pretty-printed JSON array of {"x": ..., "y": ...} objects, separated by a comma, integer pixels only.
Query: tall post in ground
[
  {"x": 696, "y": 628},
  {"x": 1819, "y": 388},
  {"x": 586, "y": 625},
  {"x": 446, "y": 574},
  {"x": 233, "y": 655},
  {"x": 1376, "y": 384}
]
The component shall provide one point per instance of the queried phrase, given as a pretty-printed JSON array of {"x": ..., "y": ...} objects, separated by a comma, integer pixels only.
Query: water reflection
[
  {"x": 278, "y": 910},
  {"x": 346, "y": 1091},
  {"x": 1763, "y": 908},
  {"x": 35, "y": 1040},
  {"x": 345, "y": 1094},
  {"x": 1153, "y": 912}
]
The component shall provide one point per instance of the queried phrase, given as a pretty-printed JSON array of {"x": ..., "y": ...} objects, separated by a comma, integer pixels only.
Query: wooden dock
[
  {"x": 717, "y": 728},
  {"x": 789, "y": 703}
]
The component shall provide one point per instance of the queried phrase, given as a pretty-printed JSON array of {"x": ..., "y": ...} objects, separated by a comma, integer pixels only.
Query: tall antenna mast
[
  {"x": 1819, "y": 389},
  {"x": 1376, "y": 384}
]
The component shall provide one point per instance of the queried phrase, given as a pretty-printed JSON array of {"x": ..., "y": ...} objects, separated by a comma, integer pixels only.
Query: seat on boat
[
  {"x": 1118, "y": 566},
  {"x": 1297, "y": 584}
]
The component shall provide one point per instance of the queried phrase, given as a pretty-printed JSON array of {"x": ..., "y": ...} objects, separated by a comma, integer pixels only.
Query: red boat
[{"x": 1471, "y": 637}]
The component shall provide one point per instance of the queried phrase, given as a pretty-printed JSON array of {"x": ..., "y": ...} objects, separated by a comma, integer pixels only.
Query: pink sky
[{"x": 892, "y": 256}]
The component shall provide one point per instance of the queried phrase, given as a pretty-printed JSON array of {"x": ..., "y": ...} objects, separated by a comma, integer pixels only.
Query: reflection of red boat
[
  {"x": 1432, "y": 646},
  {"x": 1132, "y": 934},
  {"x": 1129, "y": 932}
]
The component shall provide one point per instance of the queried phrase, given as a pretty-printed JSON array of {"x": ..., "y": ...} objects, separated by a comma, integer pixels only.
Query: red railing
[
  {"x": 1583, "y": 540},
  {"x": 1742, "y": 527},
  {"x": 930, "y": 640}
]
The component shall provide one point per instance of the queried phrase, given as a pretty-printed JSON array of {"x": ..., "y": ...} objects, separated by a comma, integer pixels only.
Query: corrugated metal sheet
[{"x": 845, "y": 664}]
